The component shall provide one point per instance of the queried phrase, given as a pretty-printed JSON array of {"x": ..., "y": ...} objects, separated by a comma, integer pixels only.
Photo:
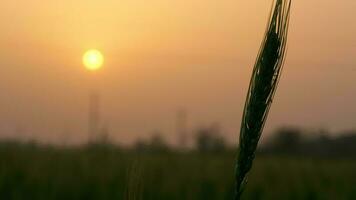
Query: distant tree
[
  {"x": 158, "y": 144},
  {"x": 345, "y": 144},
  {"x": 287, "y": 140},
  {"x": 209, "y": 139},
  {"x": 140, "y": 146},
  {"x": 317, "y": 143},
  {"x": 155, "y": 144}
]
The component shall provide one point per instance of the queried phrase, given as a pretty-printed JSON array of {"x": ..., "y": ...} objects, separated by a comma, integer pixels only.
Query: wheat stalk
[{"x": 263, "y": 84}]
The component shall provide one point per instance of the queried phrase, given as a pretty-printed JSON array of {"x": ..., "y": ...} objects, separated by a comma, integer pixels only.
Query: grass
[
  {"x": 262, "y": 87},
  {"x": 51, "y": 174}
]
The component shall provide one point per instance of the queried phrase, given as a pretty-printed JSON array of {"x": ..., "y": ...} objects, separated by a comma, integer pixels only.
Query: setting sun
[{"x": 93, "y": 59}]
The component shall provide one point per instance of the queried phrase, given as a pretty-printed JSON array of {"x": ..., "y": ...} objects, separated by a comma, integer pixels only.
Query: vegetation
[
  {"x": 263, "y": 85},
  {"x": 106, "y": 172}
]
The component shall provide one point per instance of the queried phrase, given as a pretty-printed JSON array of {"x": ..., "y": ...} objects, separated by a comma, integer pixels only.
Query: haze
[{"x": 165, "y": 55}]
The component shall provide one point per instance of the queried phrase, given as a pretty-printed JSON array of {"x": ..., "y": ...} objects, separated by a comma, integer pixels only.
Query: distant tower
[
  {"x": 94, "y": 116},
  {"x": 181, "y": 128}
]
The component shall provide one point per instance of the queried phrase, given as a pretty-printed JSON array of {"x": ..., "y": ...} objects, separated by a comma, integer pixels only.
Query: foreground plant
[{"x": 262, "y": 87}]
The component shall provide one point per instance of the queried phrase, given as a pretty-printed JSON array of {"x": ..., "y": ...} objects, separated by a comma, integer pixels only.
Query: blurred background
[{"x": 160, "y": 117}]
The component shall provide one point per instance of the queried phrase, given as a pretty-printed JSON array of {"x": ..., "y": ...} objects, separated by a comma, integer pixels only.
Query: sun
[{"x": 93, "y": 59}]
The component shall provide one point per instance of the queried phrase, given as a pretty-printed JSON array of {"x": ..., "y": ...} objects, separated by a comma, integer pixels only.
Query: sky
[{"x": 165, "y": 55}]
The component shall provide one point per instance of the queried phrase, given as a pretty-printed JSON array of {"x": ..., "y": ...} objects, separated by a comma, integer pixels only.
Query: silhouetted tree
[
  {"x": 209, "y": 139},
  {"x": 321, "y": 144},
  {"x": 288, "y": 139},
  {"x": 157, "y": 143},
  {"x": 140, "y": 145}
]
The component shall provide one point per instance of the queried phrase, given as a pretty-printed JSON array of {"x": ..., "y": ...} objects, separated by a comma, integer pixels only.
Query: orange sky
[{"x": 164, "y": 55}]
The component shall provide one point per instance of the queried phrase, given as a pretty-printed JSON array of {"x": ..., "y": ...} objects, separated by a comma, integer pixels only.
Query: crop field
[{"x": 30, "y": 172}]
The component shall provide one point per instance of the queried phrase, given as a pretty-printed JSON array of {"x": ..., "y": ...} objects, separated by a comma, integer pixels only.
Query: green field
[{"x": 29, "y": 172}]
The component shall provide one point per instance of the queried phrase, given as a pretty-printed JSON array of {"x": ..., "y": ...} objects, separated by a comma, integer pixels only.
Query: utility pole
[
  {"x": 94, "y": 117},
  {"x": 181, "y": 128}
]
